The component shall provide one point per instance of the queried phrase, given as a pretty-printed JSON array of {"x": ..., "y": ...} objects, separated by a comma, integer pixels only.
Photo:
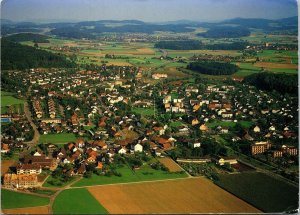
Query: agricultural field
[
  {"x": 5, "y": 164},
  {"x": 28, "y": 210},
  {"x": 11, "y": 199},
  {"x": 195, "y": 195},
  {"x": 57, "y": 138},
  {"x": 145, "y": 173},
  {"x": 263, "y": 191},
  {"x": 77, "y": 201},
  {"x": 170, "y": 164}
]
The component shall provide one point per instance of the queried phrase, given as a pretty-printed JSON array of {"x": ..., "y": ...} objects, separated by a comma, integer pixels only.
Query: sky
[{"x": 145, "y": 10}]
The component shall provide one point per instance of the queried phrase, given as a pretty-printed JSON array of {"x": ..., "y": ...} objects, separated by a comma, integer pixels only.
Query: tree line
[
  {"x": 17, "y": 56},
  {"x": 36, "y": 38},
  {"x": 213, "y": 68},
  {"x": 198, "y": 45},
  {"x": 283, "y": 83},
  {"x": 226, "y": 32}
]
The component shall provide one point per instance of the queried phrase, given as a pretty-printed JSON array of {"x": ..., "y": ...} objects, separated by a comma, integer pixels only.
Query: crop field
[
  {"x": 276, "y": 65},
  {"x": 196, "y": 195},
  {"x": 57, "y": 138},
  {"x": 5, "y": 164},
  {"x": 145, "y": 173},
  {"x": 170, "y": 164},
  {"x": 11, "y": 199},
  {"x": 28, "y": 210},
  {"x": 77, "y": 201},
  {"x": 263, "y": 191}
]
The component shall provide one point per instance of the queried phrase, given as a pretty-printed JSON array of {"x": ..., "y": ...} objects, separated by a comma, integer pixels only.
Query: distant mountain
[
  {"x": 89, "y": 29},
  {"x": 6, "y": 21}
]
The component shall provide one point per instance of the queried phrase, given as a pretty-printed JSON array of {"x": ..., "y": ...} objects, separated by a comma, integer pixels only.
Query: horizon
[{"x": 152, "y": 11}]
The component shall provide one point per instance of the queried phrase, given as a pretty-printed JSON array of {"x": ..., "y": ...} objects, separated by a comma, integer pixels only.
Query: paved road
[{"x": 36, "y": 136}]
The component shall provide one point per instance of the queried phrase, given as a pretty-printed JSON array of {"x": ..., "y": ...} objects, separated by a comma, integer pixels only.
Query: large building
[
  {"x": 20, "y": 181},
  {"x": 28, "y": 169},
  {"x": 260, "y": 147}
]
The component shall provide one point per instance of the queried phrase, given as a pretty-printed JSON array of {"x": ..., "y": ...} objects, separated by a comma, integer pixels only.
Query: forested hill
[
  {"x": 17, "y": 56},
  {"x": 283, "y": 83},
  {"x": 37, "y": 38},
  {"x": 213, "y": 68}
]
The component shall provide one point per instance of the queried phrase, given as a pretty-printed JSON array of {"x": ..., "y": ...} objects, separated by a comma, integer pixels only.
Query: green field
[
  {"x": 10, "y": 199},
  {"x": 145, "y": 173},
  {"x": 7, "y": 99},
  {"x": 264, "y": 192},
  {"x": 77, "y": 201},
  {"x": 144, "y": 111},
  {"x": 58, "y": 138},
  {"x": 50, "y": 178},
  {"x": 216, "y": 123}
]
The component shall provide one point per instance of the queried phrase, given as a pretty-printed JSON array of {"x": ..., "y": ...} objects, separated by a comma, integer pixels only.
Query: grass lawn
[
  {"x": 145, "y": 173},
  {"x": 45, "y": 192},
  {"x": 144, "y": 111},
  {"x": 266, "y": 193},
  {"x": 58, "y": 138},
  {"x": 77, "y": 201},
  {"x": 50, "y": 178},
  {"x": 176, "y": 124},
  {"x": 7, "y": 99},
  {"x": 10, "y": 199},
  {"x": 229, "y": 124}
]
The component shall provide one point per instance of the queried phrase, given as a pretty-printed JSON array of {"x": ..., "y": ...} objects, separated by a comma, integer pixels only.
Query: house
[
  {"x": 80, "y": 143},
  {"x": 195, "y": 121},
  {"x": 256, "y": 129},
  {"x": 4, "y": 148},
  {"x": 99, "y": 165},
  {"x": 28, "y": 169},
  {"x": 195, "y": 144},
  {"x": 43, "y": 161},
  {"x": 222, "y": 160},
  {"x": 122, "y": 150},
  {"x": 138, "y": 148},
  {"x": 82, "y": 169},
  {"x": 203, "y": 127}
]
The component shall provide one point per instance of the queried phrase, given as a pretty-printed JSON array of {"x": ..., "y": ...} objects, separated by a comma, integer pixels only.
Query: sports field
[
  {"x": 58, "y": 138},
  {"x": 195, "y": 195}
]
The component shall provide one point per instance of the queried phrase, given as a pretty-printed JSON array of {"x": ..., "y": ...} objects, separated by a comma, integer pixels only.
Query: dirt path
[{"x": 36, "y": 136}]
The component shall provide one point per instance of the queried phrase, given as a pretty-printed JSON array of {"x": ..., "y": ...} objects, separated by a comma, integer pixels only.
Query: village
[{"x": 114, "y": 111}]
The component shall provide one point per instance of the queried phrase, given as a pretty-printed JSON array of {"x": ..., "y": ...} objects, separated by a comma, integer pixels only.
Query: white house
[
  {"x": 195, "y": 145},
  {"x": 256, "y": 129},
  {"x": 122, "y": 151},
  {"x": 138, "y": 148}
]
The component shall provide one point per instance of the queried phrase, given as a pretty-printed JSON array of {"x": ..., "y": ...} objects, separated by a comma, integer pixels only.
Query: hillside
[{"x": 17, "y": 56}]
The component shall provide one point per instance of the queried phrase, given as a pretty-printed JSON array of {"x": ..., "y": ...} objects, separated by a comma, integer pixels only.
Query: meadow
[
  {"x": 264, "y": 192},
  {"x": 145, "y": 173},
  {"x": 77, "y": 201},
  {"x": 58, "y": 138},
  {"x": 11, "y": 199}
]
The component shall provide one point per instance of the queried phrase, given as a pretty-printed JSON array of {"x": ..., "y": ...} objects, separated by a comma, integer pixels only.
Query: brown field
[
  {"x": 276, "y": 65},
  {"x": 119, "y": 63},
  {"x": 31, "y": 210},
  {"x": 5, "y": 164},
  {"x": 169, "y": 163},
  {"x": 145, "y": 51},
  {"x": 193, "y": 195}
]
